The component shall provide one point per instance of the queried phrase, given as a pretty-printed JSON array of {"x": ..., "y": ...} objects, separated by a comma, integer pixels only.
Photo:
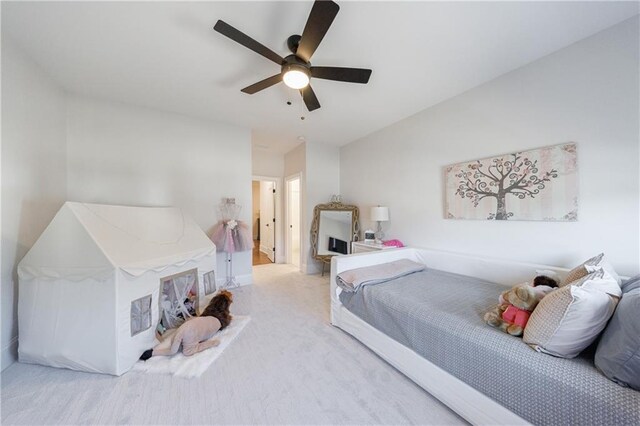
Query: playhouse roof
[{"x": 87, "y": 239}]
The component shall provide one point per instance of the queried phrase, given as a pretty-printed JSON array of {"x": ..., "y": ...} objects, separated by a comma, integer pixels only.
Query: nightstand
[{"x": 362, "y": 247}]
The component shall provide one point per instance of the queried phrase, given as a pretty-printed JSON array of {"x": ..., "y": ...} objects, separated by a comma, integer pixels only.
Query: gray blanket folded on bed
[{"x": 353, "y": 279}]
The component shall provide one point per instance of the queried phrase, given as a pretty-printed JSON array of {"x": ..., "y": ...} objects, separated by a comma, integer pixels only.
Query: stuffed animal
[{"x": 516, "y": 305}]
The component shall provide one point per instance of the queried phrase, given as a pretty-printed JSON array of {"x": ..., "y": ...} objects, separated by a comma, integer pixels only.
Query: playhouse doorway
[{"x": 178, "y": 299}]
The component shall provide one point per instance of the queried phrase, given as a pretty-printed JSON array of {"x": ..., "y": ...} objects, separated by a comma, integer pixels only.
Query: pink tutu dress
[{"x": 231, "y": 236}]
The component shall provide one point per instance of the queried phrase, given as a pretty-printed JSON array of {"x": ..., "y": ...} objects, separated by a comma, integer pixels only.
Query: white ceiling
[{"x": 167, "y": 56}]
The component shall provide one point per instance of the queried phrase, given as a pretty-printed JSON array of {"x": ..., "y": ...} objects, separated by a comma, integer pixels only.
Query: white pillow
[
  {"x": 580, "y": 271},
  {"x": 570, "y": 318},
  {"x": 591, "y": 265},
  {"x": 608, "y": 267}
]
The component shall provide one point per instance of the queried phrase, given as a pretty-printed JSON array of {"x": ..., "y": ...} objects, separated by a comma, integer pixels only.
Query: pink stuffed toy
[
  {"x": 516, "y": 305},
  {"x": 516, "y": 316}
]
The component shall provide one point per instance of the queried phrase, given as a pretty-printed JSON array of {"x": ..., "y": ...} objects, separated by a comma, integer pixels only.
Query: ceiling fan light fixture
[
  {"x": 296, "y": 69},
  {"x": 296, "y": 77}
]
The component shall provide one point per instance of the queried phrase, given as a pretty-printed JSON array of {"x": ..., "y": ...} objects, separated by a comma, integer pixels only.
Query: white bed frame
[{"x": 465, "y": 400}]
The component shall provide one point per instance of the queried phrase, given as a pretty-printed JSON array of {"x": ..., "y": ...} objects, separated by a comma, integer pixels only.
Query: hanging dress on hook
[{"x": 231, "y": 235}]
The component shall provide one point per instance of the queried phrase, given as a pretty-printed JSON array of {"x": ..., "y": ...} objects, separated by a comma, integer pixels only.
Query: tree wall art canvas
[{"x": 539, "y": 184}]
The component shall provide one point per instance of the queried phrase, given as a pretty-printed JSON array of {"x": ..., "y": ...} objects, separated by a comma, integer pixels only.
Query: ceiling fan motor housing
[
  {"x": 292, "y": 62},
  {"x": 293, "y": 42},
  {"x": 296, "y": 73}
]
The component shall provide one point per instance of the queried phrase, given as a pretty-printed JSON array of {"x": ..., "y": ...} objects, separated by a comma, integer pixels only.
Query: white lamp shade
[{"x": 380, "y": 214}]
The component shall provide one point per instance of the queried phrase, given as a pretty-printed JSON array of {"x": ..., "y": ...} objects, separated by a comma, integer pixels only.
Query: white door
[
  {"x": 293, "y": 218},
  {"x": 267, "y": 219}
]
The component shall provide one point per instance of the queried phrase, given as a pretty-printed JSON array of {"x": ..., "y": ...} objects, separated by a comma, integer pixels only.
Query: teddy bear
[{"x": 517, "y": 303}]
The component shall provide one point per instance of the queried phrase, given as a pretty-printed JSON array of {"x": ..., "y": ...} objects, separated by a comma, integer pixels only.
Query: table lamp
[{"x": 379, "y": 214}]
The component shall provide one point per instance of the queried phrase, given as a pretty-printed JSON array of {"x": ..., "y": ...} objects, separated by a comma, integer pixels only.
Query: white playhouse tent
[{"x": 101, "y": 279}]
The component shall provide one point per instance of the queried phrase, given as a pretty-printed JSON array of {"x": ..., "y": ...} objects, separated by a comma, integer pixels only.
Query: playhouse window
[
  {"x": 178, "y": 299},
  {"x": 209, "y": 279},
  {"x": 140, "y": 315}
]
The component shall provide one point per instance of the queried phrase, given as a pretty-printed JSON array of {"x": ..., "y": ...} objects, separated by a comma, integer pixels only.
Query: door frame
[
  {"x": 279, "y": 254},
  {"x": 287, "y": 179}
]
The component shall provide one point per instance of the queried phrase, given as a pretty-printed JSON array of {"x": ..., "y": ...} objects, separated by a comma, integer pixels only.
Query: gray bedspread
[{"x": 439, "y": 315}]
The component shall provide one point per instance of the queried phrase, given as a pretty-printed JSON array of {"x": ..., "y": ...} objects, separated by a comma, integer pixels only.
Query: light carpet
[
  {"x": 194, "y": 365},
  {"x": 289, "y": 366}
]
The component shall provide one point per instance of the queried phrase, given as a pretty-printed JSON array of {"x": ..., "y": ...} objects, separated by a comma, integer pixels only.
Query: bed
[{"x": 429, "y": 326}]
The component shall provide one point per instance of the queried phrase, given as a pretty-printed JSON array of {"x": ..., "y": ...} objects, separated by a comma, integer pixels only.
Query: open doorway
[
  {"x": 293, "y": 214},
  {"x": 264, "y": 221}
]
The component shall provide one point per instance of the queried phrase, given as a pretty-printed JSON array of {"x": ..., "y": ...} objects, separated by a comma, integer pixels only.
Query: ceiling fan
[{"x": 295, "y": 69}]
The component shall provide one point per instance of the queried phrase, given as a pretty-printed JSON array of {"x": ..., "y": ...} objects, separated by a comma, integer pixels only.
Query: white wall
[
  {"x": 267, "y": 163},
  {"x": 322, "y": 180},
  {"x": 121, "y": 154},
  {"x": 294, "y": 206},
  {"x": 319, "y": 165},
  {"x": 255, "y": 207},
  {"x": 295, "y": 161},
  {"x": 33, "y": 171},
  {"x": 587, "y": 92}
]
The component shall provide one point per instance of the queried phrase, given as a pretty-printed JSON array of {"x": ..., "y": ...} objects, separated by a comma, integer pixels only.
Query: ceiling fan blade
[
  {"x": 322, "y": 15},
  {"x": 261, "y": 85},
  {"x": 309, "y": 98},
  {"x": 240, "y": 37},
  {"x": 350, "y": 75}
]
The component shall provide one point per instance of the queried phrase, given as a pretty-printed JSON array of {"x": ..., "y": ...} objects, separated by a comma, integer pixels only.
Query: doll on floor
[{"x": 194, "y": 334}]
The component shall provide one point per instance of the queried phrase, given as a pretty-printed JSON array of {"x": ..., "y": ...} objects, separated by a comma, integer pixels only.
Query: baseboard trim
[
  {"x": 245, "y": 279},
  {"x": 312, "y": 269},
  {"x": 9, "y": 354}
]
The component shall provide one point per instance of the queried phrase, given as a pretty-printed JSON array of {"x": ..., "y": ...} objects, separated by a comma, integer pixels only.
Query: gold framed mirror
[{"x": 334, "y": 227}]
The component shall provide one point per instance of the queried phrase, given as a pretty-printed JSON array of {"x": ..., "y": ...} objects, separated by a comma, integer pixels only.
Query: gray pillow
[
  {"x": 618, "y": 353},
  {"x": 631, "y": 284}
]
